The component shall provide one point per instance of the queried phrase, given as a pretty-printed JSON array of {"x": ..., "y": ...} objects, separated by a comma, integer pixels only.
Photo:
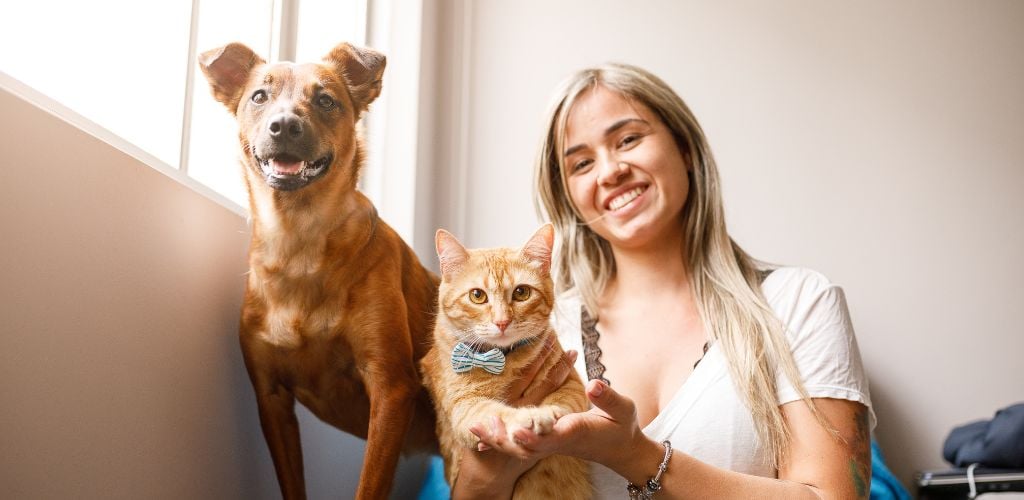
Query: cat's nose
[{"x": 502, "y": 325}]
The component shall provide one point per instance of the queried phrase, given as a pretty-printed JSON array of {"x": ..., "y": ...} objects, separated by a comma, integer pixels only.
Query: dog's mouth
[{"x": 288, "y": 173}]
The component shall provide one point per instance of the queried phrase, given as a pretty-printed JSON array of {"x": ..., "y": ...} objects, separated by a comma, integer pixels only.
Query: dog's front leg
[
  {"x": 393, "y": 390},
  {"x": 281, "y": 430}
]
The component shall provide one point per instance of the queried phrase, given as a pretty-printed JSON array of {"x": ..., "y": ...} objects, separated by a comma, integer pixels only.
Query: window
[
  {"x": 128, "y": 77},
  {"x": 129, "y": 68}
]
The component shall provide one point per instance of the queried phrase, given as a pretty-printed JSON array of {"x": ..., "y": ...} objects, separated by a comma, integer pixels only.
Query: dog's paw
[{"x": 539, "y": 419}]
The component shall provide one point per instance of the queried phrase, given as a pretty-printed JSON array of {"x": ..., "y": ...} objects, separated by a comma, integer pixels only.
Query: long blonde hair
[{"x": 725, "y": 280}]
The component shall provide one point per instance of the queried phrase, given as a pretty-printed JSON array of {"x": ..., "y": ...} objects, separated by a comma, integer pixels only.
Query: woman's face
[{"x": 625, "y": 173}]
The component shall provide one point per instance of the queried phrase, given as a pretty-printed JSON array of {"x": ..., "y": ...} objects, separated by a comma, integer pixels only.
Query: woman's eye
[
  {"x": 628, "y": 140},
  {"x": 521, "y": 293},
  {"x": 259, "y": 97},
  {"x": 580, "y": 165},
  {"x": 325, "y": 101},
  {"x": 477, "y": 296}
]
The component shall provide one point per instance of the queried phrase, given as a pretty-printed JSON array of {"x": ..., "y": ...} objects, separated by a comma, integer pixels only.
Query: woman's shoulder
[
  {"x": 796, "y": 285},
  {"x": 804, "y": 297},
  {"x": 792, "y": 278},
  {"x": 821, "y": 337}
]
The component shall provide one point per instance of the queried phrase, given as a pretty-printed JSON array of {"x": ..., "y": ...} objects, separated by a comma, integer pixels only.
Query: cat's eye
[
  {"x": 521, "y": 293},
  {"x": 477, "y": 296}
]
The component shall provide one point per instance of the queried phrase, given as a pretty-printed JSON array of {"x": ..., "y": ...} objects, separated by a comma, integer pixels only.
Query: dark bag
[{"x": 992, "y": 443}]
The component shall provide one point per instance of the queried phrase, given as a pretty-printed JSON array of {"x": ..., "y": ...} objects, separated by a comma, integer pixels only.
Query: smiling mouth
[
  {"x": 287, "y": 172},
  {"x": 626, "y": 198}
]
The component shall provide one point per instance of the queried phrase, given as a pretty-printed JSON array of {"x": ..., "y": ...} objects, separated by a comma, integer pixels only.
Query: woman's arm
[
  {"x": 819, "y": 465},
  {"x": 835, "y": 468}
]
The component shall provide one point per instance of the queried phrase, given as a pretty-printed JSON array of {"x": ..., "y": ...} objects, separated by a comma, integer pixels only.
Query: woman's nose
[{"x": 611, "y": 171}]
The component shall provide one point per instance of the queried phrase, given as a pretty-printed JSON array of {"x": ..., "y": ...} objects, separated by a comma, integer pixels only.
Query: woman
[{"x": 709, "y": 373}]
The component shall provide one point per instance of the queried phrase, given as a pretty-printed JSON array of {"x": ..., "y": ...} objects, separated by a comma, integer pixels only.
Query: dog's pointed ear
[
  {"x": 450, "y": 252},
  {"x": 362, "y": 68},
  {"x": 227, "y": 69},
  {"x": 539, "y": 248}
]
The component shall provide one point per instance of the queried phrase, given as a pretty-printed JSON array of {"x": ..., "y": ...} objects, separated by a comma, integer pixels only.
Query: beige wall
[
  {"x": 120, "y": 367},
  {"x": 878, "y": 142}
]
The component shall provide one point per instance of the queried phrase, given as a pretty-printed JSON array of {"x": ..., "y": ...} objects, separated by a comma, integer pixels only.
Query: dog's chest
[
  {"x": 290, "y": 326},
  {"x": 323, "y": 374},
  {"x": 295, "y": 306}
]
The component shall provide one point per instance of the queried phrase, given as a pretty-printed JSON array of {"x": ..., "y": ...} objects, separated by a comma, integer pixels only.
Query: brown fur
[
  {"x": 462, "y": 399},
  {"x": 337, "y": 307}
]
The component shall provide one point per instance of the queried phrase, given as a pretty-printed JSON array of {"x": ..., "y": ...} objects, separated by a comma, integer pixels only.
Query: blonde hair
[{"x": 725, "y": 280}]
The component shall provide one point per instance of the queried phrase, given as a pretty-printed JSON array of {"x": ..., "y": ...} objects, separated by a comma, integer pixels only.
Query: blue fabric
[
  {"x": 434, "y": 486},
  {"x": 884, "y": 485}
]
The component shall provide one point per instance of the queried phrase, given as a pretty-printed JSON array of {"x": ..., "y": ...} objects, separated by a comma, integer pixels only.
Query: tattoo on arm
[{"x": 860, "y": 449}]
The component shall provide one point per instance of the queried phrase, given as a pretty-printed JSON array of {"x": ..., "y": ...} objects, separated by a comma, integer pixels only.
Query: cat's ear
[
  {"x": 450, "y": 252},
  {"x": 538, "y": 249}
]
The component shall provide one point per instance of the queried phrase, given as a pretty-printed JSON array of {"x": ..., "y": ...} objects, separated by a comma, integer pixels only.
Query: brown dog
[{"x": 337, "y": 308}]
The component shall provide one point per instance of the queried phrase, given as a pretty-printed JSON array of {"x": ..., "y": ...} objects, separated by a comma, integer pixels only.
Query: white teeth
[{"x": 624, "y": 198}]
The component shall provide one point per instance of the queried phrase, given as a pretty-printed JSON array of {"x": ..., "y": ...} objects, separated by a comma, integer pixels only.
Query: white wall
[
  {"x": 120, "y": 291},
  {"x": 878, "y": 142}
]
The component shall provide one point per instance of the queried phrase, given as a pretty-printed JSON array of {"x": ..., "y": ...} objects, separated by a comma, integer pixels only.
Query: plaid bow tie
[{"x": 464, "y": 359}]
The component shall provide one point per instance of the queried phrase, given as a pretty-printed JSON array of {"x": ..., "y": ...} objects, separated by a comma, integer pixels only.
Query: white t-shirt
[{"x": 706, "y": 418}]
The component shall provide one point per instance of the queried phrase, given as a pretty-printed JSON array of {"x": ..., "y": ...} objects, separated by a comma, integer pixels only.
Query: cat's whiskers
[
  {"x": 471, "y": 339},
  {"x": 469, "y": 336}
]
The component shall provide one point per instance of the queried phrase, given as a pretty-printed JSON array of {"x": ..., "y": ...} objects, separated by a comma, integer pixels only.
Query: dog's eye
[
  {"x": 259, "y": 97},
  {"x": 325, "y": 101},
  {"x": 477, "y": 296},
  {"x": 521, "y": 293}
]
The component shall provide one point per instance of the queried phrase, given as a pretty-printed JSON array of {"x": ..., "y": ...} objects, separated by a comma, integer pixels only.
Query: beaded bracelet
[{"x": 653, "y": 484}]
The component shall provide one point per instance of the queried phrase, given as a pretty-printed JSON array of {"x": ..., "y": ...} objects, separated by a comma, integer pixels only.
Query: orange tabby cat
[{"x": 493, "y": 319}]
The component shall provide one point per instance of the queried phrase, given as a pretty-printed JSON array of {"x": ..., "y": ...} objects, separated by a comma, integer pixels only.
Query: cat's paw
[{"x": 539, "y": 419}]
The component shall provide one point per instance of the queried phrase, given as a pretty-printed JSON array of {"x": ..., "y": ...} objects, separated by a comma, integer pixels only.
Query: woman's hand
[
  {"x": 608, "y": 434},
  {"x": 488, "y": 473}
]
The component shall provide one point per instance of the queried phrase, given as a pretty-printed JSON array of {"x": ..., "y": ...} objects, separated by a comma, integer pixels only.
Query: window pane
[
  {"x": 213, "y": 147},
  {"x": 119, "y": 63},
  {"x": 326, "y": 23}
]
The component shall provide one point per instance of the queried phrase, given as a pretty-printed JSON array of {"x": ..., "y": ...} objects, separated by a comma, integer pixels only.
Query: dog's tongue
[{"x": 286, "y": 167}]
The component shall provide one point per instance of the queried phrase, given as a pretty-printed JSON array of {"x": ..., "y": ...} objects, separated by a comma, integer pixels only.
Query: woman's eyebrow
[{"x": 608, "y": 131}]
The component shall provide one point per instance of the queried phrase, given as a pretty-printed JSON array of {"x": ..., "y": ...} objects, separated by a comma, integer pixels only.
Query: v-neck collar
[
  {"x": 686, "y": 393},
  {"x": 710, "y": 369}
]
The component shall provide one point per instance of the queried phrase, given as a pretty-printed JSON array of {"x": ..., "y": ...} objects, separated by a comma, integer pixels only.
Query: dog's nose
[{"x": 285, "y": 124}]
